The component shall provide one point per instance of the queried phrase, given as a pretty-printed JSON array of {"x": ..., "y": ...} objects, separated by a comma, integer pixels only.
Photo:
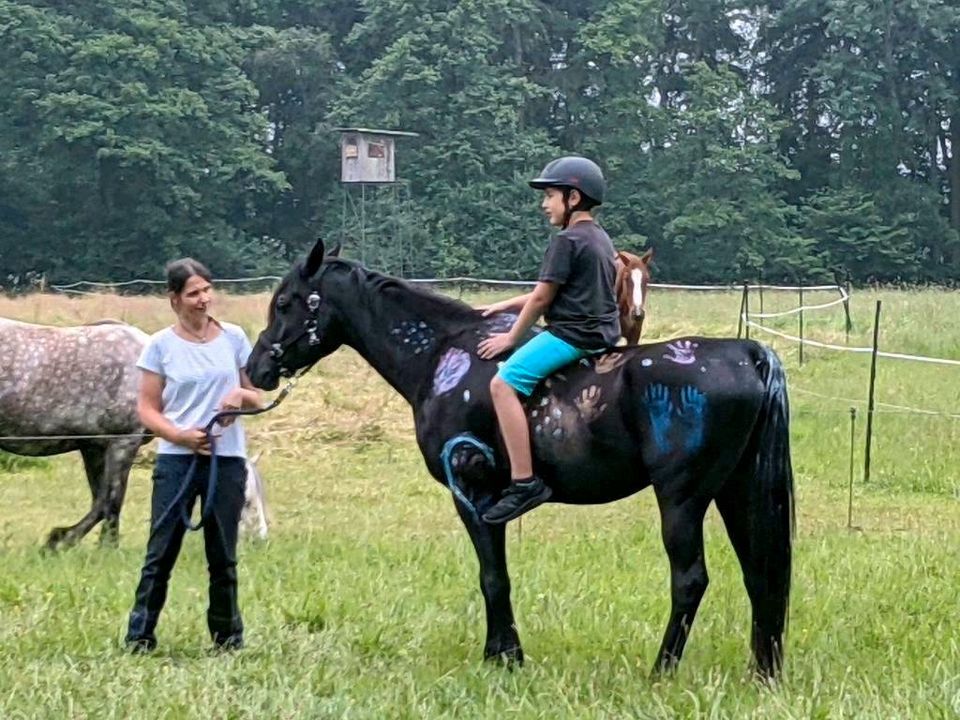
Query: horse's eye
[{"x": 282, "y": 302}]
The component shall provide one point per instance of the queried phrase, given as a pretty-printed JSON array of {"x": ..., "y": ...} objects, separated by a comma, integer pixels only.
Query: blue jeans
[{"x": 220, "y": 543}]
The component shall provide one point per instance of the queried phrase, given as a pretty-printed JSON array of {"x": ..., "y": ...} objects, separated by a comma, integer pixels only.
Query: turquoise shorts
[{"x": 540, "y": 357}]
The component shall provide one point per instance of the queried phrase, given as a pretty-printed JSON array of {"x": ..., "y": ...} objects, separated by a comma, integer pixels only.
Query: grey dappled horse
[{"x": 60, "y": 382}]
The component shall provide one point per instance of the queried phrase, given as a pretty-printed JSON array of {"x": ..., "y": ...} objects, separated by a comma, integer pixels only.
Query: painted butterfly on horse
[{"x": 700, "y": 420}]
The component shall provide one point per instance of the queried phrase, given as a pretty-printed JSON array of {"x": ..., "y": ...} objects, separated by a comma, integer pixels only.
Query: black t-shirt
[{"x": 584, "y": 312}]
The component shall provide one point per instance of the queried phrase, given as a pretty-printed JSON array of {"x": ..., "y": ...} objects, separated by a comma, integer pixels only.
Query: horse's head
[
  {"x": 633, "y": 276},
  {"x": 302, "y": 325}
]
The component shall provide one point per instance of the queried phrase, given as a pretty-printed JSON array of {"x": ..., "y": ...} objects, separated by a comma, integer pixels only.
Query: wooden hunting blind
[
  {"x": 372, "y": 197},
  {"x": 369, "y": 156}
]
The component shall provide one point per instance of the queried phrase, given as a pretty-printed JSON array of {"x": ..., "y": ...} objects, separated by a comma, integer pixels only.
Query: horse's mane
[{"x": 416, "y": 297}]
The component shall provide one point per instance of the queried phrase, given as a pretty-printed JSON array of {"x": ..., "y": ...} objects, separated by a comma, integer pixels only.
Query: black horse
[{"x": 699, "y": 419}]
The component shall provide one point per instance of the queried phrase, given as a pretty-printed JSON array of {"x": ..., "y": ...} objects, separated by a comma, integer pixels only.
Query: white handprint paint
[{"x": 682, "y": 352}]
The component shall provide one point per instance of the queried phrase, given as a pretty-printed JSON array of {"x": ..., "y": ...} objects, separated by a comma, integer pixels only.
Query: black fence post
[
  {"x": 760, "y": 289},
  {"x": 853, "y": 433},
  {"x": 846, "y": 308},
  {"x": 871, "y": 396},
  {"x": 800, "y": 287},
  {"x": 743, "y": 309},
  {"x": 746, "y": 311}
]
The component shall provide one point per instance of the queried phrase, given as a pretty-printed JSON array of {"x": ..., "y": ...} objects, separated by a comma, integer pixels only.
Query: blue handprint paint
[
  {"x": 693, "y": 407},
  {"x": 660, "y": 408}
]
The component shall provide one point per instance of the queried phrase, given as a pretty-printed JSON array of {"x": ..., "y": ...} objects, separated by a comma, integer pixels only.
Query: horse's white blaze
[{"x": 637, "y": 277}]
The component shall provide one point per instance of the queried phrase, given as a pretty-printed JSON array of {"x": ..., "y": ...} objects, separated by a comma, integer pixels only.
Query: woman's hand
[
  {"x": 496, "y": 344},
  {"x": 233, "y": 400},
  {"x": 194, "y": 439}
]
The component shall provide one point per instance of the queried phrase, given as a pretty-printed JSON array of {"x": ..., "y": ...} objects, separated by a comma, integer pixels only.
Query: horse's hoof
[
  {"x": 664, "y": 669},
  {"x": 110, "y": 538},
  {"x": 509, "y": 658},
  {"x": 58, "y": 539},
  {"x": 766, "y": 676}
]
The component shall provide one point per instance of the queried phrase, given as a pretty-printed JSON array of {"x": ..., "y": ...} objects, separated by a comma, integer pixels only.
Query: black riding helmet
[{"x": 574, "y": 172}]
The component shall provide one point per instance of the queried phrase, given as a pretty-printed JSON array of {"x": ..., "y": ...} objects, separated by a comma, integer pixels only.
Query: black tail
[{"x": 772, "y": 518}]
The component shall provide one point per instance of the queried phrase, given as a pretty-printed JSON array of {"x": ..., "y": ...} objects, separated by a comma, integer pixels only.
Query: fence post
[
  {"x": 743, "y": 309},
  {"x": 746, "y": 310},
  {"x": 846, "y": 308},
  {"x": 800, "y": 288},
  {"x": 853, "y": 432},
  {"x": 871, "y": 397},
  {"x": 760, "y": 289}
]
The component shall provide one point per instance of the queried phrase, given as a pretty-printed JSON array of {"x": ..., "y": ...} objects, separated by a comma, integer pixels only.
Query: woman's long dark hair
[{"x": 179, "y": 271}]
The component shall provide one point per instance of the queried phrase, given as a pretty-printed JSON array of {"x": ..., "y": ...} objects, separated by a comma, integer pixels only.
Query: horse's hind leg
[
  {"x": 94, "y": 458},
  {"x": 768, "y": 602},
  {"x": 503, "y": 642},
  {"x": 119, "y": 459},
  {"x": 682, "y": 529}
]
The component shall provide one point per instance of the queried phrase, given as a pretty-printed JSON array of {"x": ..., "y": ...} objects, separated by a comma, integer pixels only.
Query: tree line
[{"x": 793, "y": 139}]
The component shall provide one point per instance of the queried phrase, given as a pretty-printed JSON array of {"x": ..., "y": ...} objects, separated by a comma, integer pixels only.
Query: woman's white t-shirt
[{"x": 197, "y": 376}]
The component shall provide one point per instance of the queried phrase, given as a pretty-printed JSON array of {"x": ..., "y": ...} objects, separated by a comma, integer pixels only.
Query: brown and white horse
[{"x": 633, "y": 277}]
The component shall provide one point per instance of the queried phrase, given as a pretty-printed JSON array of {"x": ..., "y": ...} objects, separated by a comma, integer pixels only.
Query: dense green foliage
[{"x": 790, "y": 138}]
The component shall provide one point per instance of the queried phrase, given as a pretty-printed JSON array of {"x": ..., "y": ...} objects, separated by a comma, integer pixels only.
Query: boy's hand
[
  {"x": 494, "y": 345},
  {"x": 489, "y": 310}
]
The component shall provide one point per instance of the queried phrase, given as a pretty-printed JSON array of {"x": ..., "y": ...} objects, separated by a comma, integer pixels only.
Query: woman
[{"x": 191, "y": 370}]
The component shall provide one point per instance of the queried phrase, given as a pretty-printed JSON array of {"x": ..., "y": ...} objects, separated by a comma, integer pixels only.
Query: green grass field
[{"x": 364, "y": 602}]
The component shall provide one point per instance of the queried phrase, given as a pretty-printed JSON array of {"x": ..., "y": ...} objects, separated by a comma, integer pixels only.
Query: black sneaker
[{"x": 517, "y": 499}]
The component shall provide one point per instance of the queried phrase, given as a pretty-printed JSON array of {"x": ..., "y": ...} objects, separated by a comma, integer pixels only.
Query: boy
[{"x": 575, "y": 294}]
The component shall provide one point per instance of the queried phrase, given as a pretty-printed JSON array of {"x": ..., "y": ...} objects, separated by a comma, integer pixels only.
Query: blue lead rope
[
  {"x": 445, "y": 459},
  {"x": 178, "y": 500},
  {"x": 207, "y": 508}
]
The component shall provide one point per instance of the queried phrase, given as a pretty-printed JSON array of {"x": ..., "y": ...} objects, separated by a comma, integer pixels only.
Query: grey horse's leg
[
  {"x": 119, "y": 459},
  {"x": 94, "y": 461}
]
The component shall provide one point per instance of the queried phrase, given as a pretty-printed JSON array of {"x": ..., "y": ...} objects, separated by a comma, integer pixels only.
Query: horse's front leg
[{"x": 503, "y": 642}]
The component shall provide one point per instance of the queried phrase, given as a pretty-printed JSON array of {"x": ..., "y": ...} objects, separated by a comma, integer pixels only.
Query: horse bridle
[{"x": 310, "y": 328}]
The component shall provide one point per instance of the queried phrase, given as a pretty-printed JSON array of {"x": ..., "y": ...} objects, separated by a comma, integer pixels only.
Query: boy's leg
[
  {"x": 220, "y": 540},
  {"x": 513, "y": 426},
  {"x": 537, "y": 359},
  {"x": 163, "y": 547}
]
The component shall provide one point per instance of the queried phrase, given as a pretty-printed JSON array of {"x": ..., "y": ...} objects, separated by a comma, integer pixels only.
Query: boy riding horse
[{"x": 575, "y": 293}]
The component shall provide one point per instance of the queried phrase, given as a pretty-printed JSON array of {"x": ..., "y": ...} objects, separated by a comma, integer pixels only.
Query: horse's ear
[
  {"x": 622, "y": 257},
  {"x": 335, "y": 252},
  {"x": 647, "y": 257},
  {"x": 314, "y": 259}
]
